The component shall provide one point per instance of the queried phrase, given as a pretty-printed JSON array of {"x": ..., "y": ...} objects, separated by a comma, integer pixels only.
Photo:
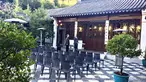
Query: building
[{"x": 93, "y": 21}]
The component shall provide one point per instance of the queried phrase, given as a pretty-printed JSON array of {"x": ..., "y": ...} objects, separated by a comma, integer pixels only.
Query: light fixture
[
  {"x": 125, "y": 27},
  {"x": 80, "y": 29},
  {"x": 138, "y": 28},
  {"x": 95, "y": 27},
  {"x": 100, "y": 28},
  {"x": 132, "y": 27},
  {"x": 59, "y": 21},
  {"x": 61, "y": 24},
  {"x": 110, "y": 28}
]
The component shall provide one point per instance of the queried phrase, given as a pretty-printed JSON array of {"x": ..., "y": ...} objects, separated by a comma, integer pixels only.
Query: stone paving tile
[{"x": 136, "y": 71}]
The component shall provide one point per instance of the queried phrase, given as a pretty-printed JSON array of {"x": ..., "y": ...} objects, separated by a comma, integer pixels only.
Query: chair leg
[
  {"x": 103, "y": 63},
  {"x": 59, "y": 75},
  {"x": 87, "y": 69},
  {"x": 50, "y": 71},
  {"x": 68, "y": 74},
  {"x": 35, "y": 66},
  {"x": 42, "y": 69},
  {"x": 92, "y": 65},
  {"x": 99, "y": 64},
  {"x": 57, "y": 72},
  {"x": 74, "y": 75}
]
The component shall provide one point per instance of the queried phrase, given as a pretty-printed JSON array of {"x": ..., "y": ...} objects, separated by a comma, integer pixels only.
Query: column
[
  {"x": 143, "y": 31},
  {"x": 106, "y": 31},
  {"x": 55, "y": 33},
  {"x": 76, "y": 28}
]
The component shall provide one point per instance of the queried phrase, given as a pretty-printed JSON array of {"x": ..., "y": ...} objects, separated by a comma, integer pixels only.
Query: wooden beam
[
  {"x": 125, "y": 17},
  {"x": 68, "y": 19},
  {"x": 101, "y": 18},
  {"x": 97, "y": 18}
]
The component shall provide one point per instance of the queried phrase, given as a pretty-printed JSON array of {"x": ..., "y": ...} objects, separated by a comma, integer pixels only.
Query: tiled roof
[{"x": 97, "y": 7}]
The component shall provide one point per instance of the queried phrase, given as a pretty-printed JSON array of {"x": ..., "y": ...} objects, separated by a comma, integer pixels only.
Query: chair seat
[
  {"x": 89, "y": 62},
  {"x": 55, "y": 68},
  {"x": 98, "y": 60}
]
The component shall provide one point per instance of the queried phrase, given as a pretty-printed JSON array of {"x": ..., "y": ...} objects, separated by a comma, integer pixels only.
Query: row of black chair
[{"x": 66, "y": 62}]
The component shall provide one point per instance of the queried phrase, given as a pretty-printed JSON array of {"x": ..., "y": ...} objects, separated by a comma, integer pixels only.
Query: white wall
[
  {"x": 55, "y": 33},
  {"x": 143, "y": 31}
]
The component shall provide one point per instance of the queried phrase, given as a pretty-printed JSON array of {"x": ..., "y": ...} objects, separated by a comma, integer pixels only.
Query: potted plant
[
  {"x": 144, "y": 60},
  {"x": 125, "y": 46}
]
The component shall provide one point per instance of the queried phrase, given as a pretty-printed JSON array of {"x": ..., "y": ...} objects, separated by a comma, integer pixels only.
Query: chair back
[
  {"x": 96, "y": 56},
  {"x": 89, "y": 57},
  {"x": 33, "y": 56},
  {"x": 40, "y": 49},
  {"x": 56, "y": 63},
  {"x": 79, "y": 61},
  {"x": 40, "y": 59},
  {"x": 65, "y": 65},
  {"x": 48, "y": 58},
  {"x": 55, "y": 55}
]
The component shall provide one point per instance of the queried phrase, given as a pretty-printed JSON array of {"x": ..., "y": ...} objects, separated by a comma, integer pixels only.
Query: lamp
[
  {"x": 100, "y": 28},
  {"x": 138, "y": 28},
  {"x": 110, "y": 28},
  {"x": 41, "y": 29},
  {"x": 95, "y": 27},
  {"x": 80, "y": 29},
  {"x": 132, "y": 27}
]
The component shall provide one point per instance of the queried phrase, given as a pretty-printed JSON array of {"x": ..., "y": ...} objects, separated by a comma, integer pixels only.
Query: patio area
[{"x": 104, "y": 74}]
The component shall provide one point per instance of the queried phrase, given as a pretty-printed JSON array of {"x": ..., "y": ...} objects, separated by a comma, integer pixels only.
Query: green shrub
[
  {"x": 124, "y": 45},
  {"x": 15, "y": 49}
]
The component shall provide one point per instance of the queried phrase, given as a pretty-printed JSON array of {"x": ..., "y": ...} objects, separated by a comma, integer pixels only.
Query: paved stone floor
[{"x": 136, "y": 71}]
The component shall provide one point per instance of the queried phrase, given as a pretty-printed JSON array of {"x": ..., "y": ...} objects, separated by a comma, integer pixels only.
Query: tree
[
  {"x": 7, "y": 10},
  {"x": 48, "y": 5},
  {"x": 15, "y": 49},
  {"x": 124, "y": 45},
  {"x": 56, "y": 3},
  {"x": 39, "y": 19}
]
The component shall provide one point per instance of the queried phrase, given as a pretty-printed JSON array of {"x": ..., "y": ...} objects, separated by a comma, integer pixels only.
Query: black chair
[
  {"x": 97, "y": 59},
  {"x": 80, "y": 63},
  {"x": 76, "y": 53},
  {"x": 66, "y": 68},
  {"x": 47, "y": 62},
  {"x": 82, "y": 55},
  {"x": 89, "y": 60},
  {"x": 55, "y": 63}
]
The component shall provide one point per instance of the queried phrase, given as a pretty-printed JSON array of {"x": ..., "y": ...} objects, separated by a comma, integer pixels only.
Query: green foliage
[
  {"x": 48, "y": 5},
  {"x": 124, "y": 45},
  {"x": 15, "y": 48},
  {"x": 7, "y": 12},
  {"x": 39, "y": 19},
  {"x": 56, "y": 3}
]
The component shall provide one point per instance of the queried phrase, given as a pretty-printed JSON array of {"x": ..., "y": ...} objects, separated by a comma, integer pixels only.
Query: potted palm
[
  {"x": 144, "y": 60},
  {"x": 125, "y": 46}
]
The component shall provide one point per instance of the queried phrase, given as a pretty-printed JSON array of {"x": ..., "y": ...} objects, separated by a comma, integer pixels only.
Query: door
[{"x": 94, "y": 39}]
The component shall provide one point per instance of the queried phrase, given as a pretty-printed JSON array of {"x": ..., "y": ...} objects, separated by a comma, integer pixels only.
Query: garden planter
[
  {"x": 121, "y": 78},
  {"x": 144, "y": 62}
]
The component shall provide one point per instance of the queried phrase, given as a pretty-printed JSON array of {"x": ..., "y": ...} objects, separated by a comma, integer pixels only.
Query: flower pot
[
  {"x": 144, "y": 62},
  {"x": 121, "y": 78}
]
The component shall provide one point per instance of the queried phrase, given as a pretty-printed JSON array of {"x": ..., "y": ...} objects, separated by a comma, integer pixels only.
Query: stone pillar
[
  {"x": 76, "y": 28},
  {"x": 55, "y": 33},
  {"x": 106, "y": 31},
  {"x": 143, "y": 31}
]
